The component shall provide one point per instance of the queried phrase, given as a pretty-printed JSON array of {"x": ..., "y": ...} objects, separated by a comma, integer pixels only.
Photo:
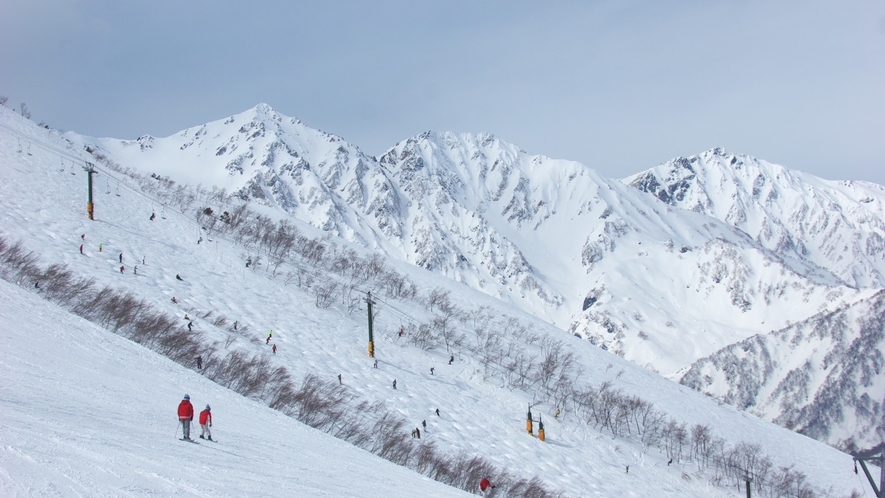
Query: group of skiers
[
  {"x": 186, "y": 415},
  {"x": 120, "y": 257}
]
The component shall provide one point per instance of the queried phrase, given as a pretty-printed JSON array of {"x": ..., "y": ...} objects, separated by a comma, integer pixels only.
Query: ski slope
[
  {"x": 87, "y": 413},
  {"x": 110, "y": 409}
]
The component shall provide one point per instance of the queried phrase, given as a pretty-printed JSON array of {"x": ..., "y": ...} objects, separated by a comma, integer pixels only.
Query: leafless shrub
[
  {"x": 439, "y": 297},
  {"x": 20, "y": 264},
  {"x": 220, "y": 320},
  {"x": 325, "y": 294},
  {"x": 423, "y": 337}
]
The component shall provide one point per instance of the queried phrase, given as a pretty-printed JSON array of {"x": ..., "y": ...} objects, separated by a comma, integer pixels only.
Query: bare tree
[{"x": 24, "y": 111}]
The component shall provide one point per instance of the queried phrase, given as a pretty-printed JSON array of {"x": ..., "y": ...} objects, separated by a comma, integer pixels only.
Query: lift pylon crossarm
[{"x": 875, "y": 456}]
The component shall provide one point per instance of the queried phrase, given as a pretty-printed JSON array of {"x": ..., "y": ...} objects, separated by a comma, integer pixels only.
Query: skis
[{"x": 188, "y": 440}]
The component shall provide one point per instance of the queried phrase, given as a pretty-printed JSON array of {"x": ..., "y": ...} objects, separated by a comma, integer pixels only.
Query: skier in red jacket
[
  {"x": 484, "y": 485},
  {"x": 185, "y": 415},
  {"x": 206, "y": 423}
]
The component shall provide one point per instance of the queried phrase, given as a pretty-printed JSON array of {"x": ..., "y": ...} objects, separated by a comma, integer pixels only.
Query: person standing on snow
[
  {"x": 485, "y": 485},
  {"x": 274, "y": 348},
  {"x": 81, "y": 248},
  {"x": 185, "y": 415},
  {"x": 121, "y": 269},
  {"x": 121, "y": 257},
  {"x": 205, "y": 423}
]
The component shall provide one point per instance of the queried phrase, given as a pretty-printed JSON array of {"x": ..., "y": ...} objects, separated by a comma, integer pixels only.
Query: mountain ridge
[{"x": 642, "y": 267}]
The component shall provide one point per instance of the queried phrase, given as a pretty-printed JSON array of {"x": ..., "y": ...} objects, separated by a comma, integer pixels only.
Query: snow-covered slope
[
  {"x": 821, "y": 377},
  {"x": 479, "y": 414},
  {"x": 84, "y": 412},
  {"x": 837, "y": 226}
]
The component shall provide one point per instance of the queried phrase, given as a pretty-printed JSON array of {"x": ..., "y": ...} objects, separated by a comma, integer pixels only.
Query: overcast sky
[{"x": 620, "y": 86}]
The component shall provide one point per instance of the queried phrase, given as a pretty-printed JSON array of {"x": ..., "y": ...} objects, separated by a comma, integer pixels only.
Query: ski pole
[{"x": 176, "y": 428}]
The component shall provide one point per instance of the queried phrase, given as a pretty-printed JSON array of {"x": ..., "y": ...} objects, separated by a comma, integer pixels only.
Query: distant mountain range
[{"x": 672, "y": 268}]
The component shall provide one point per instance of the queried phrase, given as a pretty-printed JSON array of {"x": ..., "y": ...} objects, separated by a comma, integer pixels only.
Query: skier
[
  {"x": 153, "y": 215},
  {"x": 437, "y": 412},
  {"x": 135, "y": 271},
  {"x": 178, "y": 277},
  {"x": 99, "y": 247},
  {"x": 185, "y": 415},
  {"x": 200, "y": 240},
  {"x": 274, "y": 349},
  {"x": 424, "y": 425},
  {"x": 121, "y": 257},
  {"x": 206, "y": 423},
  {"x": 375, "y": 365},
  {"x": 413, "y": 432},
  {"x": 339, "y": 379},
  {"x": 418, "y": 432},
  {"x": 451, "y": 359},
  {"x": 431, "y": 370},
  {"x": 83, "y": 237},
  {"x": 186, "y": 317},
  {"x": 190, "y": 325},
  {"x": 267, "y": 341},
  {"x": 200, "y": 362},
  {"x": 394, "y": 383},
  {"x": 235, "y": 325},
  {"x": 484, "y": 485},
  {"x": 400, "y": 331},
  {"x": 270, "y": 334},
  {"x": 174, "y": 300},
  {"x": 121, "y": 269},
  {"x": 556, "y": 414},
  {"x": 81, "y": 248}
]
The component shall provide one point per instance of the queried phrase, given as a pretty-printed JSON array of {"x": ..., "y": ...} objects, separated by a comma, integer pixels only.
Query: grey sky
[{"x": 619, "y": 86}]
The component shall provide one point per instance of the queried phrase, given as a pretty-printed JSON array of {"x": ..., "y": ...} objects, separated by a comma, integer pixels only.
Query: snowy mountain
[
  {"x": 837, "y": 226},
  {"x": 504, "y": 359},
  {"x": 718, "y": 254},
  {"x": 820, "y": 377}
]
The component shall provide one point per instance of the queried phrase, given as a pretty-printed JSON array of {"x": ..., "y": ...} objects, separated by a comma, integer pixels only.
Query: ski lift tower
[
  {"x": 876, "y": 456},
  {"x": 369, "y": 303},
  {"x": 90, "y": 208}
]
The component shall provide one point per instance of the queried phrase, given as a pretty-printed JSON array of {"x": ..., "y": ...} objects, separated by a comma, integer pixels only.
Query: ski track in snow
[{"x": 85, "y": 412}]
